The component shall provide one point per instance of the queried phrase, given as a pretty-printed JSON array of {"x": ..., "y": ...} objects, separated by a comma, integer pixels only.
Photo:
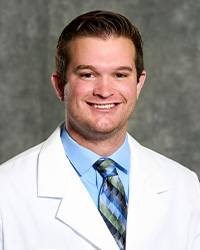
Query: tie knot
[{"x": 106, "y": 167}]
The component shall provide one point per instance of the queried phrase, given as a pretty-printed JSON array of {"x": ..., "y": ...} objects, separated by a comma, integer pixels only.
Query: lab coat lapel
[
  {"x": 52, "y": 170},
  {"x": 146, "y": 209},
  {"x": 79, "y": 212},
  {"x": 58, "y": 179}
]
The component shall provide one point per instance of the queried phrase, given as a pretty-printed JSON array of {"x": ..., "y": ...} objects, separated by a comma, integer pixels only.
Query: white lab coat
[{"x": 44, "y": 205}]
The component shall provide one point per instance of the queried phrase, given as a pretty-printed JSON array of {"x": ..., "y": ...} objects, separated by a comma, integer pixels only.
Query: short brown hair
[{"x": 101, "y": 24}]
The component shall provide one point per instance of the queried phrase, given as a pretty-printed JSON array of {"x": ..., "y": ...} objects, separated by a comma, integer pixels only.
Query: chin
[
  {"x": 106, "y": 129},
  {"x": 103, "y": 126}
]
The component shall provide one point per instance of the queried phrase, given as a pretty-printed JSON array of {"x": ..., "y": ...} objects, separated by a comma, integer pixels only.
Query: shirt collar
[{"x": 82, "y": 158}]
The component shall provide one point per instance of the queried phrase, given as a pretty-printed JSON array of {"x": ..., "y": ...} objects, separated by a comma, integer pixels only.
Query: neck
[{"x": 101, "y": 144}]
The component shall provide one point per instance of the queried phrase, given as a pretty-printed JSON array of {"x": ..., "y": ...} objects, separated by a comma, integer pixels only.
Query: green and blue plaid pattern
[{"x": 112, "y": 200}]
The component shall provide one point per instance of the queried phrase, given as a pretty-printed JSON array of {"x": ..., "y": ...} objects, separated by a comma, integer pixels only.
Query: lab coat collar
[
  {"x": 146, "y": 184},
  {"x": 58, "y": 179}
]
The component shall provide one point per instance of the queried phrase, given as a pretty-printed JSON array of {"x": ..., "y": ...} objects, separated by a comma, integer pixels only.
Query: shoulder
[
  {"x": 163, "y": 173},
  {"x": 25, "y": 164},
  {"x": 18, "y": 175},
  {"x": 30, "y": 156},
  {"x": 172, "y": 171},
  {"x": 24, "y": 156},
  {"x": 16, "y": 167}
]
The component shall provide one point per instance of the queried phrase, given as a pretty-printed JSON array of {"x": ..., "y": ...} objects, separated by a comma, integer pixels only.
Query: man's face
[{"x": 101, "y": 90}]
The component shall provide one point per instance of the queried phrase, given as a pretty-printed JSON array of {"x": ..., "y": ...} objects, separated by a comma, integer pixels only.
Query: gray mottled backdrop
[{"x": 167, "y": 117}]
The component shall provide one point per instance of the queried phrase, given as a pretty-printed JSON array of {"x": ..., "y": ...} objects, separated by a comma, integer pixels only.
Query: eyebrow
[
  {"x": 127, "y": 68},
  {"x": 80, "y": 67},
  {"x": 85, "y": 67}
]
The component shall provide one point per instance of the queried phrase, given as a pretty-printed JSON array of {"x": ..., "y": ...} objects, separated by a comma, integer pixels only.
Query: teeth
[{"x": 106, "y": 106}]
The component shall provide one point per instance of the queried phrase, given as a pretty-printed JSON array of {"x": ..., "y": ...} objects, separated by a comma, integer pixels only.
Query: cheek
[
  {"x": 129, "y": 92},
  {"x": 78, "y": 89}
]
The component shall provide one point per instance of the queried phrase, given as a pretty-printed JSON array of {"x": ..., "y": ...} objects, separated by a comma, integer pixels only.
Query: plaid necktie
[{"x": 112, "y": 200}]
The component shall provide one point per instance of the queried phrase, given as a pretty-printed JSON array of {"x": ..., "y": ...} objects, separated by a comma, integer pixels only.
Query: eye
[
  {"x": 87, "y": 75},
  {"x": 120, "y": 75}
]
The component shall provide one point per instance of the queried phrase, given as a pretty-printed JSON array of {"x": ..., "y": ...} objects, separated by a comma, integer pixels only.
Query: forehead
[{"x": 100, "y": 51}]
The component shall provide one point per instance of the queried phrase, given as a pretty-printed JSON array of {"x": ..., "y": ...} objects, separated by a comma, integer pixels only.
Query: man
[{"x": 90, "y": 185}]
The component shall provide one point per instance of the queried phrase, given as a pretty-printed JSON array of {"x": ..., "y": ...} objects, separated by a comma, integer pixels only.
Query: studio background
[{"x": 167, "y": 117}]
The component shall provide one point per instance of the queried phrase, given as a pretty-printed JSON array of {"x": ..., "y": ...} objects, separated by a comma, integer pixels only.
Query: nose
[{"x": 103, "y": 88}]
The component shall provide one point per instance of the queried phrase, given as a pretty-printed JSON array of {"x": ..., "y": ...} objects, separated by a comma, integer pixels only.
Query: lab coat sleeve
[
  {"x": 1, "y": 233},
  {"x": 196, "y": 245}
]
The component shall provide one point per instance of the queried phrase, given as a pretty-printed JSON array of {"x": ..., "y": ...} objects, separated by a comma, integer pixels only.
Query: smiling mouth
[{"x": 103, "y": 106}]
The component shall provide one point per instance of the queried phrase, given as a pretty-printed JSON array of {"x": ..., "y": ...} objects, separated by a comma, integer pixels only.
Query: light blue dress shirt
[{"x": 82, "y": 159}]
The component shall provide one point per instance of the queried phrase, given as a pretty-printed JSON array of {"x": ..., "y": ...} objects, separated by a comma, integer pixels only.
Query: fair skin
[{"x": 101, "y": 92}]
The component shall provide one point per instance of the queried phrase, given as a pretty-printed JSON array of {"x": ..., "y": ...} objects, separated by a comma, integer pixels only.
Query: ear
[
  {"x": 58, "y": 85},
  {"x": 141, "y": 82}
]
